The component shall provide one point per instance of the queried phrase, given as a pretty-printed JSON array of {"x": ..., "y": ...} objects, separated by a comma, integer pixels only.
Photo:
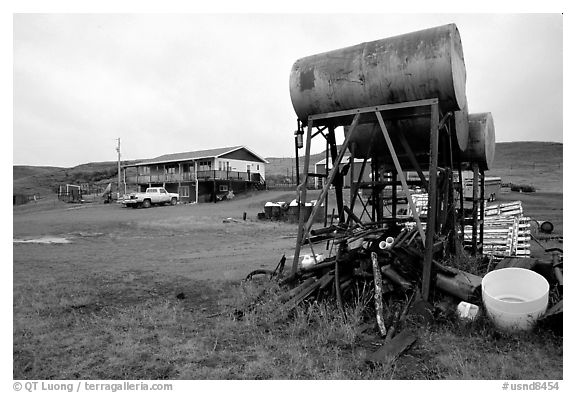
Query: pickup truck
[{"x": 152, "y": 196}]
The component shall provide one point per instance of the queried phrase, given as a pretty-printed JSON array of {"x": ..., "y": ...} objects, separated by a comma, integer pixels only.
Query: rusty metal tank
[
  {"x": 368, "y": 140},
  {"x": 481, "y": 140},
  {"x": 415, "y": 66}
]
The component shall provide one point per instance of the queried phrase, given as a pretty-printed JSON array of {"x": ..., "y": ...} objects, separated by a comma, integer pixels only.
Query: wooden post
[
  {"x": 378, "y": 295},
  {"x": 431, "y": 219}
]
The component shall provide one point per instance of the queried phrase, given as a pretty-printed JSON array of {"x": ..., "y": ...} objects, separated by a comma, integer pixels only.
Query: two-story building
[{"x": 202, "y": 175}]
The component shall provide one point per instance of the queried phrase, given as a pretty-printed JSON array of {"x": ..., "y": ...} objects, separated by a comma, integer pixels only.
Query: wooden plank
[
  {"x": 390, "y": 351},
  {"x": 378, "y": 294}
]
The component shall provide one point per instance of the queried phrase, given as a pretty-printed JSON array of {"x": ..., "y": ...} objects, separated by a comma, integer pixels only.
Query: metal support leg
[
  {"x": 337, "y": 180},
  {"x": 475, "y": 209},
  {"x": 331, "y": 177},
  {"x": 394, "y": 193},
  {"x": 302, "y": 199},
  {"x": 431, "y": 220},
  {"x": 401, "y": 174},
  {"x": 482, "y": 203}
]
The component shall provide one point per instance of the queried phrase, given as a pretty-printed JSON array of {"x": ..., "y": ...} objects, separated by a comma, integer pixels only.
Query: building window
[
  {"x": 204, "y": 165},
  {"x": 257, "y": 167},
  {"x": 171, "y": 170},
  {"x": 144, "y": 170},
  {"x": 223, "y": 188},
  {"x": 184, "y": 191}
]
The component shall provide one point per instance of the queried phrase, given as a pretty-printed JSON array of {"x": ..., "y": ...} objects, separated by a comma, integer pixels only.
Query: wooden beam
[{"x": 401, "y": 175}]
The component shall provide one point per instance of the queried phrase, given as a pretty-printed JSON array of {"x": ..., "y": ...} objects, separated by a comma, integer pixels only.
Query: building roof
[{"x": 195, "y": 155}]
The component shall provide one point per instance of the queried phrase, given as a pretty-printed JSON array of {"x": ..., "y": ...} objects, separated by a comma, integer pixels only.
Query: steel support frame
[{"x": 431, "y": 185}]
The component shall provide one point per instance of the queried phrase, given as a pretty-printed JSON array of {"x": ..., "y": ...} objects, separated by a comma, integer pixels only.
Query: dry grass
[{"x": 134, "y": 326}]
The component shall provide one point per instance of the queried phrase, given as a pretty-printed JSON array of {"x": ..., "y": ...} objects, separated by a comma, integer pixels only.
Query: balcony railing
[{"x": 189, "y": 176}]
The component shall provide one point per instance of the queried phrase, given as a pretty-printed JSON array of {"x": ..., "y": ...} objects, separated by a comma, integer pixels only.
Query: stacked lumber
[
  {"x": 421, "y": 203},
  {"x": 506, "y": 231}
]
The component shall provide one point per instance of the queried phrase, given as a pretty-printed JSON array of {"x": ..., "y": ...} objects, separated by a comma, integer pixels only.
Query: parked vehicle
[{"x": 152, "y": 196}]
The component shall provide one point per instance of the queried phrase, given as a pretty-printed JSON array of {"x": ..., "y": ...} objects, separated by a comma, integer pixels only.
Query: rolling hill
[{"x": 535, "y": 163}]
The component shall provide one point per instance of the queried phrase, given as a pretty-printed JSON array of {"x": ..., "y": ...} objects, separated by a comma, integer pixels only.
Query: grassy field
[{"x": 158, "y": 294}]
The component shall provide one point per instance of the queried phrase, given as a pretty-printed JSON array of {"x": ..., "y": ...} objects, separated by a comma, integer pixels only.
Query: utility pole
[{"x": 119, "y": 177}]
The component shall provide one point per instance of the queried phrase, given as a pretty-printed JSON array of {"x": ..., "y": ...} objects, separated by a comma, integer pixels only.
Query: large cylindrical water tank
[
  {"x": 368, "y": 139},
  {"x": 481, "y": 140},
  {"x": 421, "y": 65}
]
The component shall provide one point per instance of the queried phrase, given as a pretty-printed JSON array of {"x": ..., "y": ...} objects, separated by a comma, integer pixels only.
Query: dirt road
[{"x": 195, "y": 241}]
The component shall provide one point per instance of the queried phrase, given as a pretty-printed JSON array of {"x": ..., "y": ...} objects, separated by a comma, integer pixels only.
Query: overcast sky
[{"x": 181, "y": 82}]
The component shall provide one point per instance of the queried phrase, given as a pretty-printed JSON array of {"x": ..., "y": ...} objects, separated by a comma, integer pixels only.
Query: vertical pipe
[
  {"x": 297, "y": 157},
  {"x": 431, "y": 219},
  {"x": 324, "y": 180},
  {"x": 373, "y": 196},
  {"x": 338, "y": 181},
  {"x": 394, "y": 193},
  {"x": 351, "y": 171},
  {"x": 196, "y": 178},
  {"x": 118, "y": 150}
]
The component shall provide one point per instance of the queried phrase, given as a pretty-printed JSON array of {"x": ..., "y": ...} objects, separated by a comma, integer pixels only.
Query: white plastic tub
[{"x": 514, "y": 298}]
